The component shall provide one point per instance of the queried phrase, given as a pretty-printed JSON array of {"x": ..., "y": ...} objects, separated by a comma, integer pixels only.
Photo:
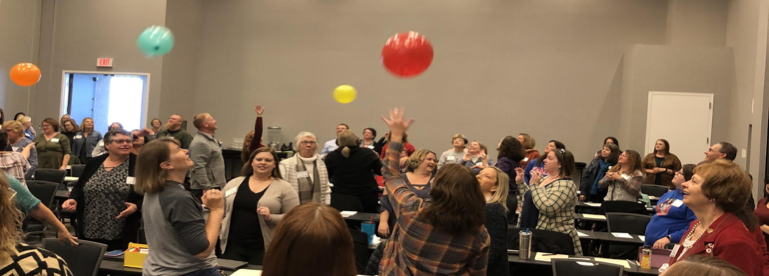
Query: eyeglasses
[
  {"x": 307, "y": 142},
  {"x": 122, "y": 141},
  {"x": 679, "y": 173}
]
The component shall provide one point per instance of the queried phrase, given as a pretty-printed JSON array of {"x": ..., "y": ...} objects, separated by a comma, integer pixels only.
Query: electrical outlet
[{"x": 744, "y": 153}]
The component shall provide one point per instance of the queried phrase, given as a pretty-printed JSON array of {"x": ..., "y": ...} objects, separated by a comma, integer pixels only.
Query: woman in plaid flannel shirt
[
  {"x": 555, "y": 195},
  {"x": 445, "y": 237}
]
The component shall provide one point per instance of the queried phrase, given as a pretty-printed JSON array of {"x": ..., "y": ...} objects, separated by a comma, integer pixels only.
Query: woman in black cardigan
[
  {"x": 106, "y": 205},
  {"x": 352, "y": 168}
]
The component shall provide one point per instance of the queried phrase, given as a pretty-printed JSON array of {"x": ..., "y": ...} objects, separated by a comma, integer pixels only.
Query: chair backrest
[
  {"x": 45, "y": 191},
  {"x": 542, "y": 241},
  {"x": 83, "y": 259},
  {"x": 584, "y": 267},
  {"x": 55, "y": 176},
  {"x": 627, "y": 223},
  {"x": 622, "y": 207},
  {"x": 654, "y": 189},
  {"x": 346, "y": 203},
  {"x": 360, "y": 249},
  {"x": 77, "y": 170}
]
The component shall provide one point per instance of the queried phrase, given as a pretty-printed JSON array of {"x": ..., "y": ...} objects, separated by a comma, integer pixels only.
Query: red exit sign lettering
[{"x": 103, "y": 62}]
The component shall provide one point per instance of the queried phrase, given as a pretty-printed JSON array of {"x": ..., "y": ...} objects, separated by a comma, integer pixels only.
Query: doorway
[
  {"x": 687, "y": 140},
  {"x": 106, "y": 98}
]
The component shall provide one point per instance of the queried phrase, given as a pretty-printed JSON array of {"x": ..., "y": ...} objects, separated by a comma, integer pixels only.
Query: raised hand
[
  {"x": 259, "y": 110},
  {"x": 397, "y": 124},
  {"x": 518, "y": 175}
]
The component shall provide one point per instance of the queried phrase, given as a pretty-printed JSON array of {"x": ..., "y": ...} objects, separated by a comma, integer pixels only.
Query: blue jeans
[{"x": 205, "y": 272}]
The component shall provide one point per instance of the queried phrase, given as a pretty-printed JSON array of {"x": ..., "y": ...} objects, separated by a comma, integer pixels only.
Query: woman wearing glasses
[
  {"x": 104, "y": 196},
  {"x": 672, "y": 217},
  {"x": 306, "y": 171}
]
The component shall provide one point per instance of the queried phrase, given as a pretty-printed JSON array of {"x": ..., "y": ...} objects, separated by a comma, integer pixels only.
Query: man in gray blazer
[{"x": 206, "y": 155}]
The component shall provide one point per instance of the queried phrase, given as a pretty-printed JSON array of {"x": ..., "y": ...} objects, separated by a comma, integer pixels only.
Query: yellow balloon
[{"x": 344, "y": 94}]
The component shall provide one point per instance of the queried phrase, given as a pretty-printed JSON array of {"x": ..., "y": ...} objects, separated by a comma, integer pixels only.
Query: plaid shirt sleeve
[
  {"x": 479, "y": 264},
  {"x": 553, "y": 198},
  {"x": 402, "y": 199}
]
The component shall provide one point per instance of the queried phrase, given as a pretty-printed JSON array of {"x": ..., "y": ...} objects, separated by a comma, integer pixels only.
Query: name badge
[
  {"x": 302, "y": 174},
  {"x": 478, "y": 163},
  {"x": 675, "y": 250},
  {"x": 230, "y": 192},
  {"x": 15, "y": 148},
  {"x": 54, "y": 140},
  {"x": 526, "y": 159},
  {"x": 370, "y": 146},
  {"x": 450, "y": 158},
  {"x": 677, "y": 203},
  {"x": 130, "y": 180},
  {"x": 78, "y": 136}
]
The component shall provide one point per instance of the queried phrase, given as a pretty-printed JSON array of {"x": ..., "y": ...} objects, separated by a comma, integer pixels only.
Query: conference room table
[
  {"x": 590, "y": 206},
  {"x": 114, "y": 266},
  {"x": 543, "y": 267}
]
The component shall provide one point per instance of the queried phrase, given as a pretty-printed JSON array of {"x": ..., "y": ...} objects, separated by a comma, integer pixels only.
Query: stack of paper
[
  {"x": 581, "y": 234},
  {"x": 348, "y": 213},
  {"x": 547, "y": 257},
  {"x": 642, "y": 237},
  {"x": 592, "y": 216},
  {"x": 247, "y": 272},
  {"x": 622, "y": 235}
]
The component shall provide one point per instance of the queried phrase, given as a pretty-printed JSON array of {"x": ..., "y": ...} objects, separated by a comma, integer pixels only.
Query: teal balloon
[{"x": 155, "y": 41}]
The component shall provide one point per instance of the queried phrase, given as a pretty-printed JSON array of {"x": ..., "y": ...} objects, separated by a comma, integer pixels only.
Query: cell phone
[{"x": 114, "y": 253}]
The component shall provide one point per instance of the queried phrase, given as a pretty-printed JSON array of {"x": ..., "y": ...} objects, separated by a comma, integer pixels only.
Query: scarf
[
  {"x": 309, "y": 189},
  {"x": 603, "y": 167}
]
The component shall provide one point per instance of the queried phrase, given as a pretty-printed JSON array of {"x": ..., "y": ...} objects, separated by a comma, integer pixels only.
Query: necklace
[{"x": 689, "y": 243}]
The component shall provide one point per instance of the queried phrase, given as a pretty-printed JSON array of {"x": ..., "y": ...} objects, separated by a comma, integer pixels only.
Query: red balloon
[{"x": 407, "y": 54}]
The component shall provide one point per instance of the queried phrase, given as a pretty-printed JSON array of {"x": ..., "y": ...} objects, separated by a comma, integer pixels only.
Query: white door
[{"x": 684, "y": 119}]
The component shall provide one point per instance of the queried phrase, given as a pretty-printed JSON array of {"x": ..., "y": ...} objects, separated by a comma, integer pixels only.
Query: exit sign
[{"x": 103, "y": 62}]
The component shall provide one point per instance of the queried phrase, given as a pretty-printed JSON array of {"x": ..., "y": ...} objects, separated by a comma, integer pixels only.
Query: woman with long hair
[
  {"x": 352, "y": 168},
  {"x": 69, "y": 128},
  {"x": 672, "y": 217},
  {"x": 255, "y": 203},
  {"x": 589, "y": 188},
  {"x": 660, "y": 166},
  {"x": 623, "y": 181},
  {"x": 182, "y": 241},
  {"x": 53, "y": 149},
  {"x": 86, "y": 140},
  {"x": 444, "y": 237},
  {"x": 420, "y": 169},
  {"x": 492, "y": 181},
  {"x": 510, "y": 154},
  {"x": 17, "y": 258},
  {"x": 312, "y": 239},
  {"x": 549, "y": 201}
]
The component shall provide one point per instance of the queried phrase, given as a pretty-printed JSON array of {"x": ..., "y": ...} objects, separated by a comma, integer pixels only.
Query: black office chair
[
  {"x": 360, "y": 249},
  {"x": 622, "y": 207},
  {"x": 44, "y": 191},
  {"x": 654, "y": 189},
  {"x": 585, "y": 268},
  {"x": 77, "y": 170},
  {"x": 626, "y": 223},
  {"x": 542, "y": 241},
  {"x": 55, "y": 176},
  {"x": 83, "y": 259}
]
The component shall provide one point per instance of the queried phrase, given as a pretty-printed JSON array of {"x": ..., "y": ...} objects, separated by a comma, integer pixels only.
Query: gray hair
[
  {"x": 302, "y": 135},
  {"x": 112, "y": 132}
]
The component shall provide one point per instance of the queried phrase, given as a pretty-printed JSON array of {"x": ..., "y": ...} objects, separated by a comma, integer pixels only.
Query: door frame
[
  {"x": 65, "y": 96},
  {"x": 649, "y": 115}
]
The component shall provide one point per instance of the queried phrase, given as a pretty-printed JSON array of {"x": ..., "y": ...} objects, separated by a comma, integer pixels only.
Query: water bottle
[{"x": 524, "y": 248}]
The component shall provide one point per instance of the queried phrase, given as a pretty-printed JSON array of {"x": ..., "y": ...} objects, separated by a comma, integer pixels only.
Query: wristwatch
[{"x": 669, "y": 238}]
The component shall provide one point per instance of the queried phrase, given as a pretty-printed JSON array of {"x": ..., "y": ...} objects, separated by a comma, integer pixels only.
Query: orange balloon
[{"x": 25, "y": 74}]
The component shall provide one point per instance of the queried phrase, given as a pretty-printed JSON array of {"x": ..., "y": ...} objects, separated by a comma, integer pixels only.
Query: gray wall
[
  {"x": 180, "y": 65},
  {"x": 549, "y": 68},
  {"x": 676, "y": 69},
  {"x": 19, "y": 40},
  {"x": 75, "y": 33}
]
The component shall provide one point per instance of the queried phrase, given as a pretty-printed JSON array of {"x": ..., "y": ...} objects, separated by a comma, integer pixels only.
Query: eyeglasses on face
[
  {"x": 307, "y": 142},
  {"x": 122, "y": 141}
]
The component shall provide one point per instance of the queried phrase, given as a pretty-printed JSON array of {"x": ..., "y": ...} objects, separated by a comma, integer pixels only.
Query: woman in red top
[
  {"x": 762, "y": 212},
  {"x": 717, "y": 194},
  {"x": 253, "y": 139}
]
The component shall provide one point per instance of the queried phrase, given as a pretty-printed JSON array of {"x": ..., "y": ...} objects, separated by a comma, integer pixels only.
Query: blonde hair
[
  {"x": 199, "y": 120},
  {"x": 10, "y": 219},
  {"x": 15, "y": 126},
  {"x": 82, "y": 124},
  {"x": 150, "y": 178},
  {"x": 528, "y": 141},
  {"x": 503, "y": 183},
  {"x": 417, "y": 158},
  {"x": 25, "y": 119},
  {"x": 346, "y": 139}
]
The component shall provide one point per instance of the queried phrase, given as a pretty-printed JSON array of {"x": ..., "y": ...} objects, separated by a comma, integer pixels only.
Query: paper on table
[
  {"x": 613, "y": 261},
  {"x": 348, "y": 213},
  {"x": 542, "y": 256},
  {"x": 593, "y": 204},
  {"x": 622, "y": 235},
  {"x": 247, "y": 272},
  {"x": 581, "y": 234},
  {"x": 642, "y": 237},
  {"x": 592, "y": 216}
]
